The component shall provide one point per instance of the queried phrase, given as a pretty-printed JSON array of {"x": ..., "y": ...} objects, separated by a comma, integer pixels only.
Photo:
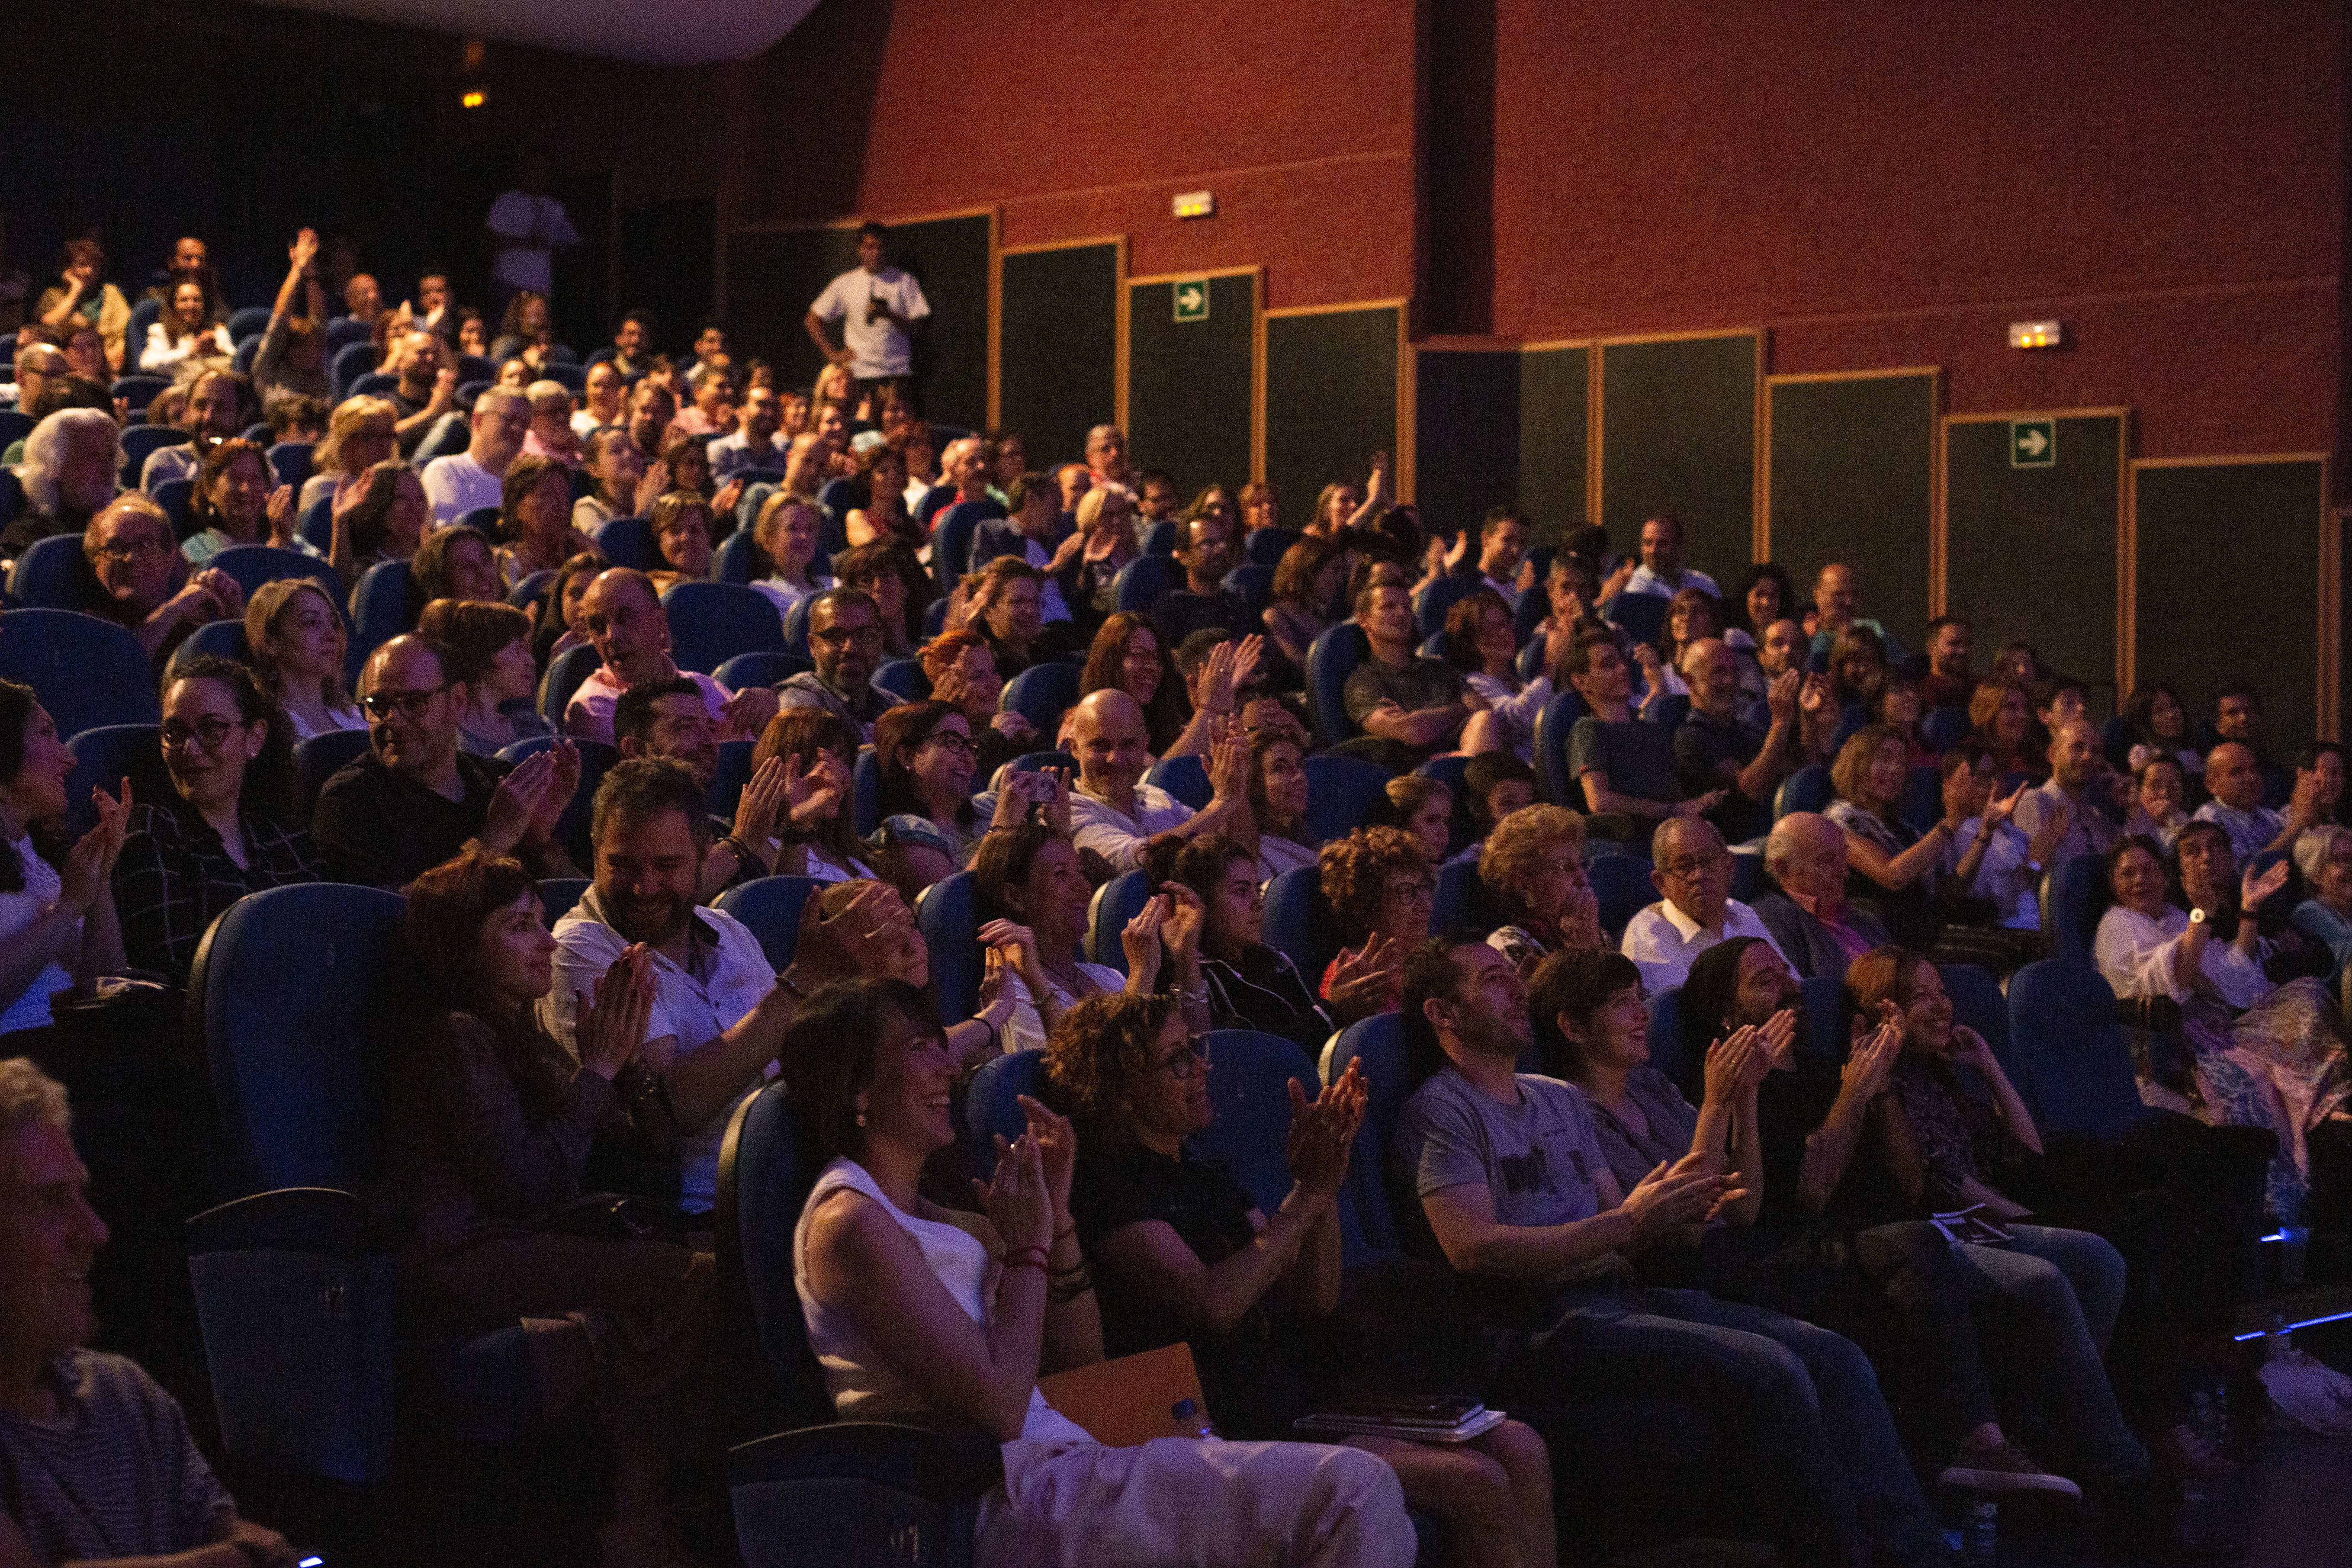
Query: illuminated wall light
[
  {"x": 2035, "y": 334},
  {"x": 1194, "y": 203},
  {"x": 473, "y": 97}
]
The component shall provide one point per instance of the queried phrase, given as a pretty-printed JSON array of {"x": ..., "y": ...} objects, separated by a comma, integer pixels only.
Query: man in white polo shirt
[
  {"x": 1694, "y": 873},
  {"x": 460, "y": 482}
]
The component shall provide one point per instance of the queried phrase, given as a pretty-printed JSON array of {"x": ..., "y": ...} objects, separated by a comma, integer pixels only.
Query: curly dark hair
[
  {"x": 1355, "y": 871},
  {"x": 1099, "y": 1048}
]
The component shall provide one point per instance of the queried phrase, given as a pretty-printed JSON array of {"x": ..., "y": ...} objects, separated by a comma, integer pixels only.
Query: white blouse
[
  {"x": 43, "y": 887},
  {"x": 2140, "y": 958}
]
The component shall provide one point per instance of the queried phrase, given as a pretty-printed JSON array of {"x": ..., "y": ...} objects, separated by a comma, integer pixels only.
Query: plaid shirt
[{"x": 174, "y": 880}]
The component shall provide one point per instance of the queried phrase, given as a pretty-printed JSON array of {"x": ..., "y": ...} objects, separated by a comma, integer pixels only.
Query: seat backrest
[
  {"x": 85, "y": 671},
  {"x": 1922, "y": 805},
  {"x": 383, "y": 606},
  {"x": 728, "y": 779},
  {"x": 527, "y": 594},
  {"x": 1161, "y": 539},
  {"x": 1668, "y": 712},
  {"x": 245, "y": 321},
  {"x": 290, "y": 986},
  {"x": 1253, "y": 585},
  {"x": 759, "y": 670},
  {"x": 1342, "y": 793},
  {"x": 352, "y": 361},
  {"x": 291, "y": 461},
  {"x": 1807, "y": 789},
  {"x": 1463, "y": 901},
  {"x": 1301, "y": 922},
  {"x": 771, "y": 907},
  {"x": 1042, "y": 694},
  {"x": 1621, "y": 883},
  {"x": 1435, "y": 598},
  {"x": 253, "y": 564},
  {"x": 993, "y": 1104},
  {"x": 53, "y": 575},
  {"x": 1264, "y": 546},
  {"x": 763, "y": 1184},
  {"x": 1641, "y": 616},
  {"x": 1116, "y": 902},
  {"x": 317, "y": 526},
  {"x": 2116, "y": 742},
  {"x": 214, "y": 639},
  {"x": 737, "y": 558},
  {"x": 320, "y": 758},
  {"x": 1183, "y": 777},
  {"x": 1331, "y": 658},
  {"x": 140, "y": 442},
  {"x": 1249, "y": 1090},
  {"x": 145, "y": 313},
  {"x": 796, "y": 620},
  {"x": 564, "y": 674},
  {"x": 1528, "y": 613},
  {"x": 951, "y": 539},
  {"x": 1822, "y": 1029},
  {"x": 2070, "y": 896},
  {"x": 102, "y": 758},
  {"x": 865, "y": 791},
  {"x": 139, "y": 390},
  {"x": 1944, "y": 728},
  {"x": 1666, "y": 1033},
  {"x": 1141, "y": 581},
  {"x": 711, "y": 623},
  {"x": 902, "y": 680},
  {"x": 375, "y": 384},
  {"x": 948, "y": 914},
  {"x": 1553, "y": 726},
  {"x": 2076, "y": 1059},
  {"x": 1369, "y": 1229},
  {"x": 345, "y": 330},
  {"x": 629, "y": 541},
  {"x": 445, "y": 437},
  {"x": 177, "y": 498},
  {"x": 1976, "y": 1001}
]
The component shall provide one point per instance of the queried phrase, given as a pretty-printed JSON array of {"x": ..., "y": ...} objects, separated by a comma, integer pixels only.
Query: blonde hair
[
  {"x": 26, "y": 1093},
  {"x": 344, "y": 423},
  {"x": 1518, "y": 843}
]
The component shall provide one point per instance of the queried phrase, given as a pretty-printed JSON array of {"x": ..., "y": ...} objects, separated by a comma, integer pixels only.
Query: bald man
[
  {"x": 623, "y": 618},
  {"x": 1115, "y": 813},
  {"x": 2234, "y": 776},
  {"x": 1837, "y": 595},
  {"x": 1694, "y": 910},
  {"x": 2079, "y": 785},
  {"x": 1814, "y": 928}
]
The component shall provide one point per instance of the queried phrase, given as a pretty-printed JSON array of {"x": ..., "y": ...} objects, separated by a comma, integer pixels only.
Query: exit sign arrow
[
  {"x": 2032, "y": 443},
  {"x": 1191, "y": 301}
]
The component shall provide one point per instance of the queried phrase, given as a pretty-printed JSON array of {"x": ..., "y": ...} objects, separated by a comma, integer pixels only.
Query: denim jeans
[
  {"x": 1787, "y": 1392},
  {"x": 2057, "y": 1293}
]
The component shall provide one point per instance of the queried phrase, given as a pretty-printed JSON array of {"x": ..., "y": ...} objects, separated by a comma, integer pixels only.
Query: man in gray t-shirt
[{"x": 1510, "y": 1173}]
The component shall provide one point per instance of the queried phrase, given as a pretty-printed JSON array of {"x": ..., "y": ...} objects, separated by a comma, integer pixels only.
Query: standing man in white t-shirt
[
  {"x": 876, "y": 305},
  {"x": 526, "y": 226}
]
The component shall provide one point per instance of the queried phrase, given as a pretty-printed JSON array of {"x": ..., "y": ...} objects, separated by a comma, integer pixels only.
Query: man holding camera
[{"x": 877, "y": 305}]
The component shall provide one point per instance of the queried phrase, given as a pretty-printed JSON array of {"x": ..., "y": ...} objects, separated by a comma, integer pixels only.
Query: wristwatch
[{"x": 2196, "y": 917}]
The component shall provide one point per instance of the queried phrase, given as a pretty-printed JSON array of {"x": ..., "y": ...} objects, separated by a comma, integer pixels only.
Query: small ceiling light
[
  {"x": 473, "y": 97},
  {"x": 2035, "y": 334}
]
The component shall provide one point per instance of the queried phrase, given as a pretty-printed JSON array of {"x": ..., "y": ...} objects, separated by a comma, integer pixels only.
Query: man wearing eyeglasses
[
  {"x": 845, "y": 641},
  {"x": 462, "y": 481},
  {"x": 1694, "y": 873},
  {"x": 138, "y": 566},
  {"x": 415, "y": 799}
]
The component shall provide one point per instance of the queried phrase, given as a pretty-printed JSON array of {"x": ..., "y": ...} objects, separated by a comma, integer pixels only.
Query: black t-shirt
[
  {"x": 1702, "y": 744},
  {"x": 1790, "y": 1107},
  {"x": 383, "y": 829},
  {"x": 1121, "y": 1182}
]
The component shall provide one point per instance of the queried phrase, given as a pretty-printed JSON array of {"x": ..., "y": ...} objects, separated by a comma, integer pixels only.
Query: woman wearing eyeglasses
[
  {"x": 925, "y": 753},
  {"x": 1382, "y": 883},
  {"x": 224, "y": 831}
]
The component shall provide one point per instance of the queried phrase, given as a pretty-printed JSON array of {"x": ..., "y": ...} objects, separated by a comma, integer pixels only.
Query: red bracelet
[{"x": 1026, "y": 1258}]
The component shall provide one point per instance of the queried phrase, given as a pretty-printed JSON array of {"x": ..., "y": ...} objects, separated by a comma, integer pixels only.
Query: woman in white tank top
[{"x": 915, "y": 1310}]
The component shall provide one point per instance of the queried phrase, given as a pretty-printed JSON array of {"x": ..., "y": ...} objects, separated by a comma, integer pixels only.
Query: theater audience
[
  {"x": 361, "y": 434},
  {"x": 227, "y": 830},
  {"x": 622, "y": 618},
  {"x": 2234, "y": 776},
  {"x": 1381, "y": 884},
  {"x": 1278, "y": 787},
  {"x": 1533, "y": 868},
  {"x": 1113, "y": 812},
  {"x": 2159, "y": 727},
  {"x": 415, "y": 798},
  {"x": 1252, "y": 985},
  {"x": 1692, "y": 871},
  {"x": 621, "y": 485},
  {"x": 457, "y": 563},
  {"x": 1480, "y": 642},
  {"x": 1817, "y": 932},
  {"x": 2159, "y": 796},
  {"x": 1004, "y": 603},
  {"x": 215, "y": 411},
  {"x": 919, "y": 1311},
  {"x": 2322, "y": 858},
  {"x": 1951, "y": 678},
  {"x": 2259, "y": 1054},
  {"x": 81, "y": 297},
  {"x": 1661, "y": 572},
  {"x": 185, "y": 331},
  {"x": 100, "y": 1461},
  {"x": 1625, "y": 768},
  {"x": 1716, "y": 748},
  {"x": 57, "y": 923},
  {"x": 425, "y": 392},
  {"x": 681, "y": 524},
  {"x": 1126, "y": 654},
  {"x": 2001, "y": 715},
  {"x": 1475, "y": 1144},
  {"x": 1208, "y": 547},
  {"x": 228, "y": 505}
]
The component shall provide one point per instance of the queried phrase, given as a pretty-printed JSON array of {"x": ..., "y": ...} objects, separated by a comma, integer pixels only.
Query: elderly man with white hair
[
  {"x": 71, "y": 459},
  {"x": 476, "y": 477},
  {"x": 1808, "y": 918},
  {"x": 1695, "y": 909}
]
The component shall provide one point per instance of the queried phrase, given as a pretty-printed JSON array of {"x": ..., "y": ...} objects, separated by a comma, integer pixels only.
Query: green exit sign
[
  {"x": 1192, "y": 299},
  {"x": 2033, "y": 443}
]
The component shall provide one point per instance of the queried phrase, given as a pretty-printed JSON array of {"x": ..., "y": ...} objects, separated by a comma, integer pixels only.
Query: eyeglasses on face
[
  {"x": 951, "y": 740},
  {"x": 1188, "y": 1059},
  {"x": 411, "y": 704},
  {"x": 210, "y": 732},
  {"x": 120, "y": 550},
  {"x": 1694, "y": 865},
  {"x": 838, "y": 636}
]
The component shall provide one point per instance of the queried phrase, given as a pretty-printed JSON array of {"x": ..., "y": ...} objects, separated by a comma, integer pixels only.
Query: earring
[{"x": 861, "y": 1119}]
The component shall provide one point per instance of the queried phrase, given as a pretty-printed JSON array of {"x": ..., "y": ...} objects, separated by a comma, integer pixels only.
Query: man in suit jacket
[{"x": 1818, "y": 931}]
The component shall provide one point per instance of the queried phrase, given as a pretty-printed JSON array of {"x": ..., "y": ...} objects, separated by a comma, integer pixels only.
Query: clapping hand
[
  {"x": 1057, "y": 1152},
  {"x": 516, "y": 802},
  {"x": 1017, "y": 1200},
  {"x": 1871, "y": 1063},
  {"x": 1671, "y": 1196},
  {"x": 762, "y": 799},
  {"x": 612, "y": 1028},
  {"x": 563, "y": 783},
  {"x": 1180, "y": 932},
  {"x": 1229, "y": 763},
  {"x": 1362, "y": 979},
  {"x": 2254, "y": 889},
  {"x": 812, "y": 795},
  {"x": 87, "y": 873},
  {"x": 1730, "y": 1063},
  {"x": 1140, "y": 939},
  {"x": 1323, "y": 1131},
  {"x": 1016, "y": 945},
  {"x": 1780, "y": 697}
]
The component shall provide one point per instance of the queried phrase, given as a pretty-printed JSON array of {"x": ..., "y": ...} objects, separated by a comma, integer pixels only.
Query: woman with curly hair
[
  {"x": 1381, "y": 884},
  {"x": 1533, "y": 868}
]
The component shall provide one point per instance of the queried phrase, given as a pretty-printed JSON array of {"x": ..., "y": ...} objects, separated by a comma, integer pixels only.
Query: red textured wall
[
  {"x": 1080, "y": 120},
  {"x": 1892, "y": 184}
]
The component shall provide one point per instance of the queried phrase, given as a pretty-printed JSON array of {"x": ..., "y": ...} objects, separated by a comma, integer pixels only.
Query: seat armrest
[{"x": 945, "y": 1466}]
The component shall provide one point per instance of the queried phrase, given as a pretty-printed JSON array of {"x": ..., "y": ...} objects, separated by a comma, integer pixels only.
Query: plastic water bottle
[
  {"x": 1190, "y": 1420},
  {"x": 1980, "y": 1533}
]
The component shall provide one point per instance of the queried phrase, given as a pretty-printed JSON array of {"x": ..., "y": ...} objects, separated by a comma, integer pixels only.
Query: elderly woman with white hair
[
  {"x": 2322, "y": 856},
  {"x": 71, "y": 459}
]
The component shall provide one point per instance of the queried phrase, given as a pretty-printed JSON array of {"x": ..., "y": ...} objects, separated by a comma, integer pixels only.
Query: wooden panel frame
[
  {"x": 2127, "y": 546},
  {"x": 1597, "y": 418},
  {"x": 996, "y": 255},
  {"x": 2329, "y": 564},
  {"x": 1406, "y": 431},
  {"x": 1934, "y": 374},
  {"x": 1257, "y": 275}
]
